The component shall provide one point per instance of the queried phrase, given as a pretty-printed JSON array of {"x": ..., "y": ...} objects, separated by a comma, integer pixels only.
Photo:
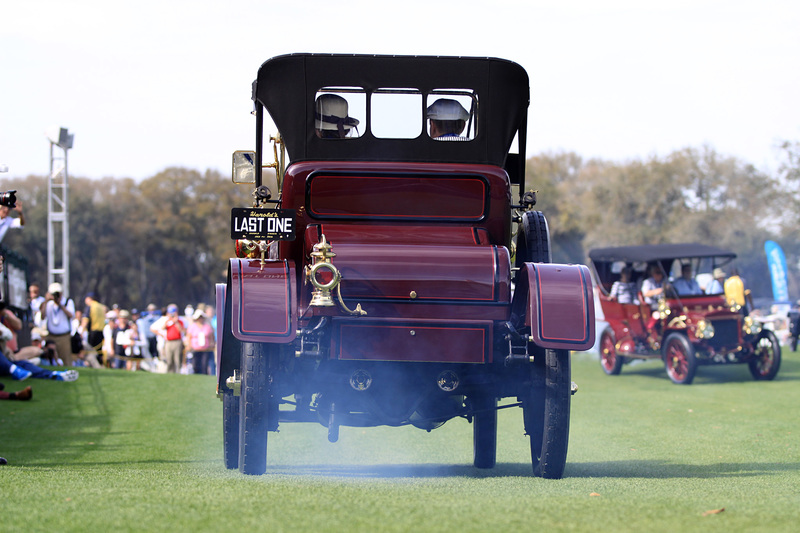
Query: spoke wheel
[
  {"x": 546, "y": 413},
  {"x": 254, "y": 408},
  {"x": 767, "y": 360},
  {"x": 610, "y": 360},
  {"x": 679, "y": 359},
  {"x": 484, "y": 432}
]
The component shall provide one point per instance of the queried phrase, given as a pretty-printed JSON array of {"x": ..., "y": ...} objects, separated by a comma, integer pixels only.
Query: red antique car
[
  {"x": 378, "y": 280},
  {"x": 685, "y": 330}
]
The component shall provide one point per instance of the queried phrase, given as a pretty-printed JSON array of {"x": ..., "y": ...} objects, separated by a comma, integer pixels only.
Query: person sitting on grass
[
  {"x": 24, "y": 394},
  {"x": 39, "y": 352},
  {"x": 23, "y": 369}
]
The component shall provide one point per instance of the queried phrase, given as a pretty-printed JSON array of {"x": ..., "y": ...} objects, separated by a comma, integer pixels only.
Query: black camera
[{"x": 8, "y": 198}]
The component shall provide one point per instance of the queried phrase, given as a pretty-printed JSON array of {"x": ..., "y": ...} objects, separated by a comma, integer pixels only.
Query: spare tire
[{"x": 533, "y": 240}]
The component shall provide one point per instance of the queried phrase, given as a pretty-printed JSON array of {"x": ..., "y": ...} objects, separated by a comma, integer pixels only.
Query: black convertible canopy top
[
  {"x": 657, "y": 252},
  {"x": 287, "y": 85}
]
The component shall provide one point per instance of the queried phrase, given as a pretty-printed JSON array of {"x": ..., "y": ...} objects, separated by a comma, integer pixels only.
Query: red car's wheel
[
  {"x": 610, "y": 360},
  {"x": 767, "y": 357},
  {"x": 679, "y": 359}
]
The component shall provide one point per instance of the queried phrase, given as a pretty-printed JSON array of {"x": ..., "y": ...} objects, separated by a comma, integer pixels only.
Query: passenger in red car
[
  {"x": 624, "y": 290},
  {"x": 686, "y": 285},
  {"x": 652, "y": 289}
]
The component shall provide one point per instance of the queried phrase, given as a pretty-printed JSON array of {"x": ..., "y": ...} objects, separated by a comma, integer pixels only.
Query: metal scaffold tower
[{"x": 57, "y": 209}]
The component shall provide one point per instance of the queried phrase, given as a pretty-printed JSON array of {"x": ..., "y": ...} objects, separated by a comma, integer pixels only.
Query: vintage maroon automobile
[
  {"x": 376, "y": 280},
  {"x": 686, "y": 330}
]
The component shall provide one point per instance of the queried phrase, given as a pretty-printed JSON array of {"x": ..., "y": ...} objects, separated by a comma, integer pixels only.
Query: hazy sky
[{"x": 148, "y": 84}]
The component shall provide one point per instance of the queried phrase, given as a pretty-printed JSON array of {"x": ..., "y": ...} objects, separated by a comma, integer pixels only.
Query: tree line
[
  {"x": 167, "y": 238},
  {"x": 164, "y": 239},
  {"x": 691, "y": 195}
]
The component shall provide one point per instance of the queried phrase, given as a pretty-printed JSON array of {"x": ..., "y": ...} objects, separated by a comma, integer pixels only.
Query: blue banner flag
[{"x": 777, "y": 269}]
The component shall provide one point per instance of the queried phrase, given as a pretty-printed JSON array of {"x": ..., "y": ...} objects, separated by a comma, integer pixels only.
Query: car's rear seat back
[
  {"x": 422, "y": 203},
  {"x": 404, "y": 234}
]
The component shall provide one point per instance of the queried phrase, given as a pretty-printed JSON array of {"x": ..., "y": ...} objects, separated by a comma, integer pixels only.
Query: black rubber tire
[
  {"x": 484, "y": 432},
  {"x": 230, "y": 430},
  {"x": 610, "y": 360},
  {"x": 254, "y": 408},
  {"x": 546, "y": 413},
  {"x": 533, "y": 240},
  {"x": 768, "y": 357},
  {"x": 679, "y": 359}
]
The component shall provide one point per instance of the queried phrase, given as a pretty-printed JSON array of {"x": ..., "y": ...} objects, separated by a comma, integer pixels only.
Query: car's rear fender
[
  {"x": 263, "y": 300},
  {"x": 558, "y": 305},
  {"x": 228, "y": 348}
]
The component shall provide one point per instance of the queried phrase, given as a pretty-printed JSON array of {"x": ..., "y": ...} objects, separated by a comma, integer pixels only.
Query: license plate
[{"x": 262, "y": 224}]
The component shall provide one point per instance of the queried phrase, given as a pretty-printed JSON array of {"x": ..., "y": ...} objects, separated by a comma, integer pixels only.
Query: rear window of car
[{"x": 394, "y": 112}]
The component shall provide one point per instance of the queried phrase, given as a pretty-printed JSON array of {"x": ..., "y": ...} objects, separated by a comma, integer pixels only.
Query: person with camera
[
  {"x": 7, "y": 222},
  {"x": 57, "y": 313}
]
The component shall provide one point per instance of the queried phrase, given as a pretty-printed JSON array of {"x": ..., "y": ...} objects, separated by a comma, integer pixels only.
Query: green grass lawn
[{"x": 130, "y": 451}]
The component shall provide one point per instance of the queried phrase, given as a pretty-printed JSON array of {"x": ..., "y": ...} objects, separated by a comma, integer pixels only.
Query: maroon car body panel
[
  {"x": 364, "y": 196},
  {"x": 263, "y": 301},
  {"x": 425, "y": 273},
  {"x": 439, "y": 196},
  {"x": 220, "y": 291},
  {"x": 360, "y": 233},
  {"x": 561, "y": 306},
  {"x": 433, "y": 341}
]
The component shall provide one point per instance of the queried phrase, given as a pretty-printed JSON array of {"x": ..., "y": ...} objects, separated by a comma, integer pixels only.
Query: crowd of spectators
[
  {"x": 95, "y": 335},
  {"x": 155, "y": 339}
]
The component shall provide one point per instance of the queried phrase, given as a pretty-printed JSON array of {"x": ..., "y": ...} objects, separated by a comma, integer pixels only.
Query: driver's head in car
[
  {"x": 331, "y": 120},
  {"x": 656, "y": 273},
  {"x": 448, "y": 119}
]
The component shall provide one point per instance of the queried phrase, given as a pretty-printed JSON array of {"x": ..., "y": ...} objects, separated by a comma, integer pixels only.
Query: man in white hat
[
  {"x": 57, "y": 312},
  {"x": 447, "y": 120},
  {"x": 331, "y": 120},
  {"x": 717, "y": 284}
]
